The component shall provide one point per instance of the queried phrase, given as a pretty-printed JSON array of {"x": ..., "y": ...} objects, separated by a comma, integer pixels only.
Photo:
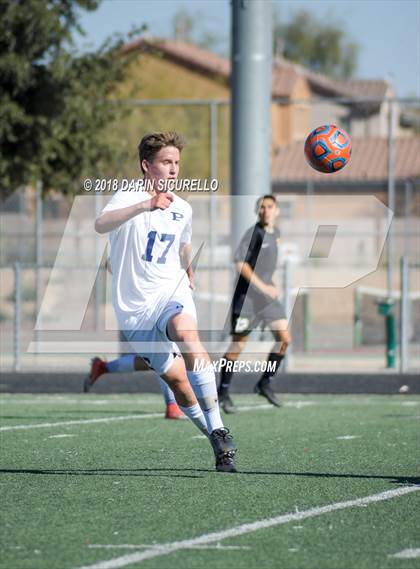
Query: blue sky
[{"x": 386, "y": 30}]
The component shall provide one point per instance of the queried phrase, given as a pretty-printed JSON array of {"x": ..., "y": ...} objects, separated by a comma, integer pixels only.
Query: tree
[
  {"x": 322, "y": 47},
  {"x": 54, "y": 119},
  {"x": 189, "y": 27}
]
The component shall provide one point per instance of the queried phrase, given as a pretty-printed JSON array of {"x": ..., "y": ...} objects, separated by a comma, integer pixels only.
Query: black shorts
[{"x": 249, "y": 313}]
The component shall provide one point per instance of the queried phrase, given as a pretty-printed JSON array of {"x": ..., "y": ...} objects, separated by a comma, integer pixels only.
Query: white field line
[
  {"x": 406, "y": 554},
  {"x": 60, "y": 436},
  {"x": 245, "y": 408},
  {"x": 91, "y": 398},
  {"x": 145, "y": 546},
  {"x": 159, "y": 550},
  {"x": 146, "y": 400},
  {"x": 81, "y": 422},
  {"x": 108, "y": 419}
]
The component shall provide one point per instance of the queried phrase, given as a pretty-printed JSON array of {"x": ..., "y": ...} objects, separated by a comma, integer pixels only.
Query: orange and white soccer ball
[{"x": 328, "y": 148}]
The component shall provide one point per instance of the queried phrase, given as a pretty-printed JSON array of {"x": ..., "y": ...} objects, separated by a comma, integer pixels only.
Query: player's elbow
[
  {"x": 100, "y": 226},
  {"x": 239, "y": 267}
]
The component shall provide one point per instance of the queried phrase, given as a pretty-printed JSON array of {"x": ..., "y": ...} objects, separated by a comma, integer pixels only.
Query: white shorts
[{"x": 154, "y": 346}]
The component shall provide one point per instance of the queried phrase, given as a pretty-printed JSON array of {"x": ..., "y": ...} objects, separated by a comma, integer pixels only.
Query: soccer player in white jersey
[{"x": 150, "y": 241}]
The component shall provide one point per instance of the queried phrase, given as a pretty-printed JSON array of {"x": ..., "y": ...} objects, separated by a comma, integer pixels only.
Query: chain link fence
[{"x": 330, "y": 324}]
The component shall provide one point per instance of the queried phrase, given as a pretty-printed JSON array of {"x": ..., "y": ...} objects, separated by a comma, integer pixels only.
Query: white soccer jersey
[{"x": 146, "y": 267}]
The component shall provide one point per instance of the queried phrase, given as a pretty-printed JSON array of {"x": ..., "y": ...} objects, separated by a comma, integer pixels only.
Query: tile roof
[
  {"x": 320, "y": 83},
  {"x": 364, "y": 87},
  {"x": 368, "y": 162},
  {"x": 184, "y": 53},
  {"x": 285, "y": 73},
  {"x": 284, "y": 79}
]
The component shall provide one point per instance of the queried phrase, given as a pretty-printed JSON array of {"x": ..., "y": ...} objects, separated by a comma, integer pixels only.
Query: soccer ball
[{"x": 328, "y": 148}]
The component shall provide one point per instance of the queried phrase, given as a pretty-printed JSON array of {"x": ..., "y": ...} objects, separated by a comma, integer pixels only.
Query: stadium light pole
[{"x": 251, "y": 61}]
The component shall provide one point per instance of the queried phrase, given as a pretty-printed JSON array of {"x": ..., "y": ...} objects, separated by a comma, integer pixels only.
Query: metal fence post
[
  {"x": 404, "y": 314},
  {"x": 99, "y": 275},
  {"x": 306, "y": 320},
  {"x": 408, "y": 200},
  {"x": 390, "y": 316},
  {"x": 38, "y": 257},
  {"x": 287, "y": 304},
  {"x": 18, "y": 317},
  {"x": 212, "y": 224},
  {"x": 391, "y": 198},
  {"x": 357, "y": 330}
]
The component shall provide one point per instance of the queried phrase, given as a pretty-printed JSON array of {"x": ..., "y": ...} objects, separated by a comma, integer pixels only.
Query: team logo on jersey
[{"x": 176, "y": 216}]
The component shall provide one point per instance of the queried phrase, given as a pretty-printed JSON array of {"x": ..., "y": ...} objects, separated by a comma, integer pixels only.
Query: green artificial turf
[{"x": 147, "y": 481}]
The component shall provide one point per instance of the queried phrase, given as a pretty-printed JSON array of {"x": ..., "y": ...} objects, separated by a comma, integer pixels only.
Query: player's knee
[
  {"x": 233, "y": 354},
  {"x": 283, "y": 338},
  {"x": 286, "y": 340},
  {"x": 177, "y": 384},
  {"x": 186, "y": 335},
  {"x": 183, "y": 330},
  {"x": 140, "y": 364},
  {"x": 235, "y": 349}
]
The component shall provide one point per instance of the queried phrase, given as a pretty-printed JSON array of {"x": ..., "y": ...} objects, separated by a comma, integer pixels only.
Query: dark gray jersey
[{"x": 258, "y": 248}]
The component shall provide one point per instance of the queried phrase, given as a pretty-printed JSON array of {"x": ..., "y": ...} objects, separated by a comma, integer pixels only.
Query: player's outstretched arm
[
  {"x": 110, "y": 220},
  {"x": 246, "y": 271}
]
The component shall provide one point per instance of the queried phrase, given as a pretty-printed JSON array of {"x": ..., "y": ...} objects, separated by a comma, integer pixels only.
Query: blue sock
[
  {"x": 167, "y": 392},
  {"x": 121, "y": 364}
]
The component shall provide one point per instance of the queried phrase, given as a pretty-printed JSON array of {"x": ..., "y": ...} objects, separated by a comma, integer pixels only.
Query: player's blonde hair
[{"x": 151, "y": 143}]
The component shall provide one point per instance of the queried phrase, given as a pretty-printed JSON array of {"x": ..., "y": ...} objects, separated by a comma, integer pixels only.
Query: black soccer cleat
[
  {"x": 226, "y": 402},
  {"x": 224, "y": 449},
  {"x": 264, "y": 389},
  {"x": 226, "y": 462}
]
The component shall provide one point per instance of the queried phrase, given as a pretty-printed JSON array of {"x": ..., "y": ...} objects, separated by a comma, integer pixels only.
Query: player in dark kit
[{"x": 255, "y": 301}]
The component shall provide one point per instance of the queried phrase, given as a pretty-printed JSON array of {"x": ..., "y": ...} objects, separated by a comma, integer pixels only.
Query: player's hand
[
  {"x": 192, "y": 285},
  {"x": 161, "y": 200},
  {"x": 270, "y": 291}
]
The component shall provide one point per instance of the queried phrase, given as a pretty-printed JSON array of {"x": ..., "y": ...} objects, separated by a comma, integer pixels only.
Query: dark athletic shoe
[
  {"x": 264, "y": 389},
  {"x": 226, "y": 403},
  {"x": 97, "y": 368},
  {"x": 226, "y": 462},
  {"x": 224, "y": 449}
]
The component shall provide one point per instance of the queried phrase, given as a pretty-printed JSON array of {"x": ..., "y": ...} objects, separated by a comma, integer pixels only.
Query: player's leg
[
  {"x": 160, "y": 355},
  {"x": 226, "y": 372},
  {"x": 124, "y": 364},
  {"x": 172, "y": 409},
  {"x": 182, "y": 329},
  {"x": 279, "y": 329},
  {"x": 128, "y": 363},
  {"x": 176, "y": 378}
]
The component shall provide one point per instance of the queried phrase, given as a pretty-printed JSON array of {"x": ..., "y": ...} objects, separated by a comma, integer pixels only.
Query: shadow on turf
[
  {"x": 171, "y": 472},
  {"x": 108, "y": 472}
]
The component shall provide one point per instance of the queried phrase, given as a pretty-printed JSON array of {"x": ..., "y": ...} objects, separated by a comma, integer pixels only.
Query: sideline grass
[{"x": 69, "y": 489}]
